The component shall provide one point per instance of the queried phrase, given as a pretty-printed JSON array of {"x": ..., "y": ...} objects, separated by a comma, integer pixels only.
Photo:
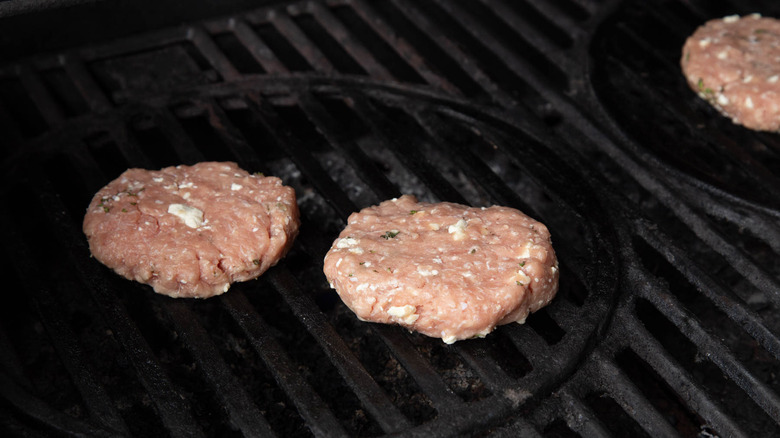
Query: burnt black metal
[{"x": 476, "y": 102}]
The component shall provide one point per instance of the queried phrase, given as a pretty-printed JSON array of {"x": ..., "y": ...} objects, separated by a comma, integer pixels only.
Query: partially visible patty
[
  {"x": 734, "y": 63},
  {"x": 446, "y": 270},
  {"x": 191, "y": 231}
]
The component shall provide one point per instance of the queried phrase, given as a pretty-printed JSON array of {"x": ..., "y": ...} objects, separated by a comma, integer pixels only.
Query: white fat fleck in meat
[
  {"x": 731, "y": 18},
  {"x": 773, "y": 79},
  {"x": 723, "y": 100},
  {"x": 523, "y": 278},
  {"x": 356, "y": 250},
  {"x": 186, "y": 185},
  {"x": 747, "y": 79},
  {"x": 362, "y": 287},
  {"x": 448, "y": 339},
  {"x": 704, "y": 42},
  {"x": 157, "y": 179},
  {"x": 457, "y": 229},
  {"x": 346, "y": 242},
  {"x": 191, "y": 216},
  {"x": 235, "y": 187},
  {"x": 749, "y": 102},
  {"x": 426, "y": 272},
  {"x": 723, "y": 55},
  {"x": 186, "y": 195},
  {"x": 526, "y": 251},
  {"x": 404, "y": 313}
]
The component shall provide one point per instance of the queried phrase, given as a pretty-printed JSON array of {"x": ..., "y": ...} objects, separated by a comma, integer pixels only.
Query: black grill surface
[{"x": 663, "y": 214}]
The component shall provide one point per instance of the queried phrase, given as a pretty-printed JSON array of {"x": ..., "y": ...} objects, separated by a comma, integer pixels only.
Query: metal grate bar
[
  {"x": 566, "y": 315},
  {"x": 714, "y": 350},
  {"x": 208, "y": 48},
  {"x": 630, "y": 398},
  {"x": 464, "y": 422},
  {"x": 528, "y": 340},
  {"x": 405, "y": 50},
  {"x": 709, "y": 287},
  {"x": 317, "y": 415},
  {"x": 376, "y": 401},
  {"x": 360, "y": 162},
  {"x": 85, "y": 83},
  {"x": 287, "y": 141},
  {"x": 64, "y": 340},
  {"x": 645, "y": 345},
  {"x": 177, "y": 137},
  {"x": 302, "y": 43},
  {"x": 761, "y": 220},
  {"x": 557, "y": 16},
  {"x": 521, "y": 25},
  {"x": 259, "y": 50},
  {"x": 137, "y": 43},
  {"x": 40, "y": 96},
  {"x": 131, "y": 152},
  {"x": 519, "y": 428},
  {"x": 442, "y": 397},
  {"x": 473, "y": 165},
  {"x": 489, "y": 372},
  {"x": 174, "y": 414},
  {"x": 520, "y": 66},
  {"x": 232, "y": 136},
  {"x": 242, "y": 411},
  {"x": 341, "y": 34},
  {"x": 22, "y": 400},
  {"x": 468, "y": 64},
  {"x": 579, "y": 417},
  {"x": 404, "y": 149}
]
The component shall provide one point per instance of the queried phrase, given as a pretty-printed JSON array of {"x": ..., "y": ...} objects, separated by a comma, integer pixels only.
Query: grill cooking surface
[{"x": 666, "y": 321}]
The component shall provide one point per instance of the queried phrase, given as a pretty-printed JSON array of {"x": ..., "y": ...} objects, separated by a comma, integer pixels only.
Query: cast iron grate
[{"x": 310, "y": 92}]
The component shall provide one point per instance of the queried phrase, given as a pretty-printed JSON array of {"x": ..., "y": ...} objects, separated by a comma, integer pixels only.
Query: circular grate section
[
  {"x": 637, "y": 77},
  {"x": 283, "y": 354}
]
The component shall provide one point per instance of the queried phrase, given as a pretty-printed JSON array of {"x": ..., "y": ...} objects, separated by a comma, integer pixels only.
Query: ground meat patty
[
  {"x": 445, "y": 270},
  {"x": 191, "y": 231},
  {"x": 734, "y": 63}
]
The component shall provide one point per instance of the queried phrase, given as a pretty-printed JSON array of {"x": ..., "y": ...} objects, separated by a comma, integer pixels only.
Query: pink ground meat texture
[
  {"x": 191, "y": 231},
  {"x": 445, "y": 270},
  {"x": 734, "y": 63}
]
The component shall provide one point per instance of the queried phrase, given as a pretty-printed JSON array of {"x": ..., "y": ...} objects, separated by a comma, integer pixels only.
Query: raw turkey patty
[
  {"x": 445, "y": 270},
  {"x": 191, "y": 231},
  {"x": 734, "y": 63}
]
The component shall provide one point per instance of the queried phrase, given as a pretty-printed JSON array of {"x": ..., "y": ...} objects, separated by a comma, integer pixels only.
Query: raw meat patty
[
  {"x": 734, "y": 63},
  {"x": 191, "y": 231},
  {"x": 445, "y": 270}
]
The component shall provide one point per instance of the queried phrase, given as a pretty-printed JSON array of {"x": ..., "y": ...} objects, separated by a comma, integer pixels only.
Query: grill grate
[{"x": 665, "y": 321}]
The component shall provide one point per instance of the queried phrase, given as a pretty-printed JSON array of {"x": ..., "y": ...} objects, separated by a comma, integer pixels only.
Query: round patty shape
[
  {"x": 734, "y": 63},
  {"x": 445, "y": 270},
  {"x": 191, "y": 231}
]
